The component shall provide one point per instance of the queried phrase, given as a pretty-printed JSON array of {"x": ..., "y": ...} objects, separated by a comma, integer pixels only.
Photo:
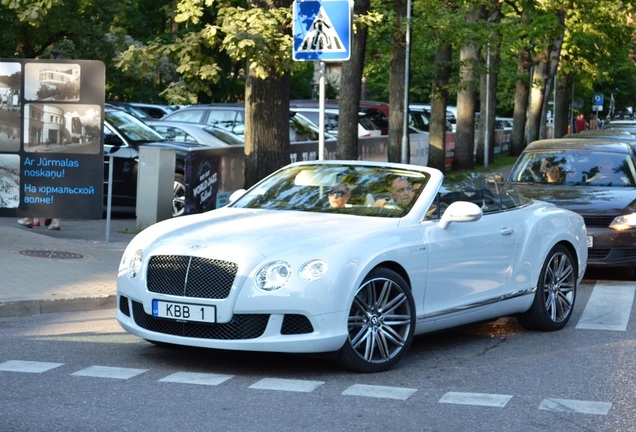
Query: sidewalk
[{"x": 72, "y": 269}]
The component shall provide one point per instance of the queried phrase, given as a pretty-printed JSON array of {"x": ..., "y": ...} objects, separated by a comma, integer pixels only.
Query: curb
[{"x": 37, "y": 307}]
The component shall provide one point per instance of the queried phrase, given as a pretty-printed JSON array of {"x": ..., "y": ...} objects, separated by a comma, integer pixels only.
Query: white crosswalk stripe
[
  {"x": 575, "y": 406},
  {"x": 27, "y": 366},
  {"x": 609, "y": 306},
  {"x": 383, "y": 392},
  {"x": 305, "y": 386},
  {"x": 476, "y": 399},
  {"x": 110, "y": 372},
  {"x": 196, "y": 378}
]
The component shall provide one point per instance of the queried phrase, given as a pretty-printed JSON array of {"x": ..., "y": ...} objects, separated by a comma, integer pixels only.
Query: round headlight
[
  {"x": 273, "y": 276},
  {"x": 313, "y": 270},
  {"x": 135, "y": 263}
]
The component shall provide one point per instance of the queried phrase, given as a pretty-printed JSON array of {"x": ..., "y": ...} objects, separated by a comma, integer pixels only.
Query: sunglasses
[{"x": 337, "y": 193}]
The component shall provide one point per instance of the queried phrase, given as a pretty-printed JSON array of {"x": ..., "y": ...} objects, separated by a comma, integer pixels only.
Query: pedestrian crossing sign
[{"x": 322, "y": 30}]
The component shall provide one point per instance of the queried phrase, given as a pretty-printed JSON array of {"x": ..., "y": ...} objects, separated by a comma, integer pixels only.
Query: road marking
[
  {"x": 280, "y": 384},
  {"x": 575, "y": 406},
  {"x": 196, "y": 378},
  {"x": 609, "y": 306},
  {"x": 384, "y": 392},
  {"x": 478, "y": 399},
  {"x": 27, "y": 366},
  {"x": 109, "y": 372}
]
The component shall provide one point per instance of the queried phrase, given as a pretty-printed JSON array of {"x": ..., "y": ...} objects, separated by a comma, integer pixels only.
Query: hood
[
  {"x": 262, "y": 232},
  {"x": 584, "y": 200}
]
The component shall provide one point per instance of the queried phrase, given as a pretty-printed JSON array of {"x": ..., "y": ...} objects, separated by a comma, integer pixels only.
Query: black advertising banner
[
  {"x": 202, "y": 180},
  {"x": 51, "y": 126}
]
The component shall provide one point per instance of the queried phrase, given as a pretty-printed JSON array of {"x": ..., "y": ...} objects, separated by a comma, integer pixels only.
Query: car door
[
  {"x": 124, "y": 160},
  {"x": 470, "y": 263}
]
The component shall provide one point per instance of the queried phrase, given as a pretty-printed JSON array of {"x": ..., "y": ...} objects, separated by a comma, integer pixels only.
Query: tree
[{"x": 350, "y": 88}]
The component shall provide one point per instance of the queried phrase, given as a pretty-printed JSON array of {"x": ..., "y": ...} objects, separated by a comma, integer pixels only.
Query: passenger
[
  {"x": 339, "y": 195},
  {"x": 400, "y": 194}
]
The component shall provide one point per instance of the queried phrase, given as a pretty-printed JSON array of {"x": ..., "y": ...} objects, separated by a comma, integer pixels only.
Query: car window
[
  {"x": 306, "y": 188},
  {"x": 190, "y": 115},
  {"x": 576, "y": 168},
  {"x": 174, "y": 134}
]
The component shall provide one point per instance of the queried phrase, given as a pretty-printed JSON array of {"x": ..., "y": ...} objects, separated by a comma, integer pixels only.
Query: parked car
[
  {"x": 231, "y": 117},
  {"x": 366, "y": 128},
  {"x": 451, "y": 113},
  {"x": 597, "y": 179},
  {"x": 124, "y": 134},
  {"x": 145, "y": 110},
  {"x": 285, "y": 268},
  {"x": 208, "y": 136},
  {"x": 377, "y": 112},
  {"x": 620, "y": 124},
  {"x": 420, "y": 118}
]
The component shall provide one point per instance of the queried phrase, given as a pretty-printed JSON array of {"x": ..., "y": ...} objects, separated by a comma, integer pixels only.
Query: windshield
[
  {"x": 132, "y": 129},
  {"x": 575, "y": 168},
  {"x": 340, "y": 188}
]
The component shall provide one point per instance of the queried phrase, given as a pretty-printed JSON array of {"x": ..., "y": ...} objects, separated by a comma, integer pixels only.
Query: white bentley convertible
[{"x": 351, "y": 258}]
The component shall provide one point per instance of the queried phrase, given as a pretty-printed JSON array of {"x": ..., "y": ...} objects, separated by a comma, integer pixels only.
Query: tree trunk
[
  {"x": 439, "y": 100},
  {"x": 351, "y": 73},
  {"x": 266, "y": 125},
  {"x": 396, "y": 82},
  {"x": 545, "y": 68},
  {"x": 522, "y": 92},
  {"x": 562, "y": 106},
  {"x": 466, "y": 102}
]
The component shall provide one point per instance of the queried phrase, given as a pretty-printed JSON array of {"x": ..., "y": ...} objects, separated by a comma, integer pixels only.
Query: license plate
[
  {"x": 184, "y": 311},
  {"x": 590, "y": 241}
]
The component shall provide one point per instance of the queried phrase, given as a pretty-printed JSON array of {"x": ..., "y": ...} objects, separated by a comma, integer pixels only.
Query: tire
[
  {"x": 178, "y": 196},
  {"x": 381, "y": 323},
  {"x": 556, "y": 292}
]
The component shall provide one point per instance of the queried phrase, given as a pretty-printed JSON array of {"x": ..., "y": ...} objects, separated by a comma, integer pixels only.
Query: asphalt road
[{"x": 82, "y": 372}]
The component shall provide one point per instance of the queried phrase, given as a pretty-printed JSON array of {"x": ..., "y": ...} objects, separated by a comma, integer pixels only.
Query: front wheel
[
  {"x": 381, "y": 323},
  {"x": 556, "y": 292},
  {"x": 178, "y": 195}
]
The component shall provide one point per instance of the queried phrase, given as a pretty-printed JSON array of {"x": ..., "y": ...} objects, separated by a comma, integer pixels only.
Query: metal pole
[
  {"x": 405, "y": 122},
  {"x": 487, "y": 122},
  {"x": 321, "y": 113},
  {"x": 109, "y": 199}
]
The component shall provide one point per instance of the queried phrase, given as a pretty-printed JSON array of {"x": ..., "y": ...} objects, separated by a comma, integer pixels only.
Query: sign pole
[{"x": 321, "y": 112}]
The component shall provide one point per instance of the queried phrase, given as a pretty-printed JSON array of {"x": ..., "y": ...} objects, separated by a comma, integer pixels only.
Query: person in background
[
  {"x": 580, "y": 124},
  {"x": 593, "y": 122},
  {"x": 53, "y": 224},
  {"x": 553, "y": 175}
]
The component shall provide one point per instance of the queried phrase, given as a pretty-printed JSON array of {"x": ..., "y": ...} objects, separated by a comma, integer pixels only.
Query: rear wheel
[
  {"x": 556, "y": 292},
  {"x": 178, "y": 196},
  {"x": 381, "y": 323}
]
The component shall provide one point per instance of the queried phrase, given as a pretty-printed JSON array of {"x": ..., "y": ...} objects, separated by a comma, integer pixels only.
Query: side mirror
[
  {"x": 460, "y": 211},
  {"x": 236, "y": 195},
  {"x": 113, "y": 140}
]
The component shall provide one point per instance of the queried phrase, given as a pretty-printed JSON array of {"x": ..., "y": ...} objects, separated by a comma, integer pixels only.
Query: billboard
[{"x": 51, "y": 138}]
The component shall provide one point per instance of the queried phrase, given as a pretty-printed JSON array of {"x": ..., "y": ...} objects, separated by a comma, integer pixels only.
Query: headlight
[
  {"x": 624, "y": 222},
  {"x": 273, "y": 276},
  {"x": 313, "y": 270},
  {"x": 134, "y": 263}
]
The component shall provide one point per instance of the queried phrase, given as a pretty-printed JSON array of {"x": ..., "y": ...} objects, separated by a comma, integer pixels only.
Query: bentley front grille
[
  {"x": 248, "y": 326},
  {"x": 189, "y": 276}
]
